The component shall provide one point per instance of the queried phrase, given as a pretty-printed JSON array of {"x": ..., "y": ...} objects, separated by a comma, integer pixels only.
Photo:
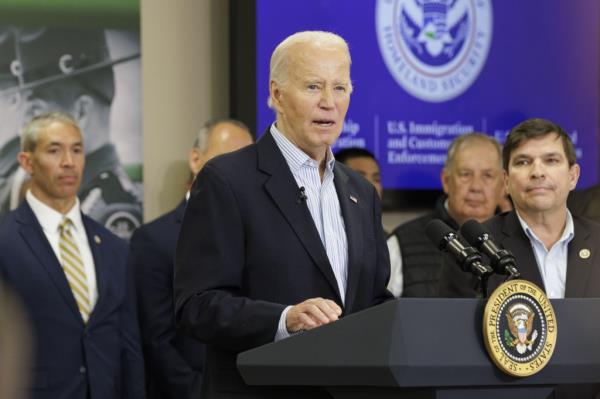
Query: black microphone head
[
  {"x": 474, "y": 232},
  {"x": 437, "y": 232}
]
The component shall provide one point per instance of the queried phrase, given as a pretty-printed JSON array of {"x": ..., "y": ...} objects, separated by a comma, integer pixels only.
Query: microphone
[
  {"x": 502, "y": 260},
  {"x": 302, "y": 195},
  {"x": 469, "y": 259}
]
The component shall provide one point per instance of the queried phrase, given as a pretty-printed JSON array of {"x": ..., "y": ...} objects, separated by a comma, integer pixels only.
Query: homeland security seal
[
  {"x": 519, "y": 328},
  {"x": 434, "y": 49}
]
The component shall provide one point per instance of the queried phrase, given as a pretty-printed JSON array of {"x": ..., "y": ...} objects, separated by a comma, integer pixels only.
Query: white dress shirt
[
  {"x": 324, "y": 207},
  {"x": 50, "y": 221},
  {"x": 552, "y": 263},
  {"x": 396, "y": 283}
]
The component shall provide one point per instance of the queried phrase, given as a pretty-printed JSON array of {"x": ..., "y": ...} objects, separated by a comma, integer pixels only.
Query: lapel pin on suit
[
  {"x": 97, "y": 239},
  {"x": 584, "y": 253},
  {"x": 353, "y": 199}
]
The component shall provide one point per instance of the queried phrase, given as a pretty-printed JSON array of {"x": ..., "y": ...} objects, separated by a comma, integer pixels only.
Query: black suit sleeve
[
  {"x": 210, "y": 298},
  {"x": 154, "y": 285}
]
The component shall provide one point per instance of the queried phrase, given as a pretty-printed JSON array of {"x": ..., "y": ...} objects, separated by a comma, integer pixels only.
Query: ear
[
  {"x": 195, "y": 161},
  {"x": 275, "y": 96},
  {"x": 574, "y": 173},
  {"x": 505, "y": 176},
  {"x": 82, "y": 110},
  {"x": 24, "y": 159},
  {"x": 445, "y": 179}
]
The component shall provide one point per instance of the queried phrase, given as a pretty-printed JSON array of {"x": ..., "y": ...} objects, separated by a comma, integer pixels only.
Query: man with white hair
[{"x": 279, "y": 238}]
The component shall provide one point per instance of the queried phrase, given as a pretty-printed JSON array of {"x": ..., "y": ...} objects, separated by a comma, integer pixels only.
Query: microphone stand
[
  {"x": 473, "y": 262},
  {"x": 507, "y": 262},
  {"x": 482, "y": 287}
]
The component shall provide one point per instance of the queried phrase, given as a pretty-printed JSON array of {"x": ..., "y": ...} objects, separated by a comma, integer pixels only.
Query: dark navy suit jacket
[
  {"x": 174, "y": 361},
  {"x": 74, "y": 360},
  {"x": 249, "y": 247}
]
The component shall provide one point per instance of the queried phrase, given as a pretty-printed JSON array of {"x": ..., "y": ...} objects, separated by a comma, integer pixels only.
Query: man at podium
[{"x": 278, "y": 238}]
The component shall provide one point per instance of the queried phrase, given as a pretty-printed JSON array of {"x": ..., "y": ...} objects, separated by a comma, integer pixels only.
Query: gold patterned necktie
[{"x": 70, "y": 259}]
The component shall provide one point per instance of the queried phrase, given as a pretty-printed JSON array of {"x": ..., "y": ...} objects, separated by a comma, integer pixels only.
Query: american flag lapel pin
[{"x": 353, "y": 199}]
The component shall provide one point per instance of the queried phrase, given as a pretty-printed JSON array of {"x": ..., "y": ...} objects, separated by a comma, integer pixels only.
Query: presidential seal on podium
[{"x": 519, "y": 328}]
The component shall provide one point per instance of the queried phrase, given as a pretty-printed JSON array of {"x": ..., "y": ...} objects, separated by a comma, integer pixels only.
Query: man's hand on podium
[{"x": 313, "y": 312}]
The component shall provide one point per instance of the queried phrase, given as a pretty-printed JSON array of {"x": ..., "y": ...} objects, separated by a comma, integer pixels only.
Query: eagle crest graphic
[
  {"x": 522, "y": 336},
  {"x": 435, "y": 30}
]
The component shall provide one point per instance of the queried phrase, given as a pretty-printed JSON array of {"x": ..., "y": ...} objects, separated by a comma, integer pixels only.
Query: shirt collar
[
  {"x": 567, "y": 235},
  {"x": 49, "y": 218},
  {"x": 294, "y": 156}
]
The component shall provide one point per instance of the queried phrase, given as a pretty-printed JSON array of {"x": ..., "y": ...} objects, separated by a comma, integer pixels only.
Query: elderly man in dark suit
[
  {"x": 71, "y": 275},
  {"x": 174, "y": 362},
  {"x": 278, "y": 238},
  {"x": 554, "y": 249}
]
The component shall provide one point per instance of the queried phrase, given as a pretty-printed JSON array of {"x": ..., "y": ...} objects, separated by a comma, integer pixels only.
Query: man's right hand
[{"x": 313, "y": 312}]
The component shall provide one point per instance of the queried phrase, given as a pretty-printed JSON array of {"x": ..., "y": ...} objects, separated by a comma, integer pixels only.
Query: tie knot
[{"x": 65, "y": 224}]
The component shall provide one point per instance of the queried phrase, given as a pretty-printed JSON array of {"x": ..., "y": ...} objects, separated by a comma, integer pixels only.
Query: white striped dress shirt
[{"x": 324, "y": 207}]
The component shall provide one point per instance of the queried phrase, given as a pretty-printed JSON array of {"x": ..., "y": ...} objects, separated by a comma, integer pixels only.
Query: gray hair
[
  {"x": 39, "y": 123},
  {"x": 278, "y": 69},
  {"x": 469, "y": 138},
  {"x": 201, "y": 140}
]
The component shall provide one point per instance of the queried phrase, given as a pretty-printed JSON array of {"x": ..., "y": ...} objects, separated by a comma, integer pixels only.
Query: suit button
[{"x": 82, "y": 369}]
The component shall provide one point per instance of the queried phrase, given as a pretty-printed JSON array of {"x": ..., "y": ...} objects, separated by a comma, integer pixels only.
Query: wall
[{"x": 185, "y": 74}]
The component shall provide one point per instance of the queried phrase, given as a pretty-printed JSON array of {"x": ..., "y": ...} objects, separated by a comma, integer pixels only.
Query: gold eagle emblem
[{"x": 520, "y": 324}]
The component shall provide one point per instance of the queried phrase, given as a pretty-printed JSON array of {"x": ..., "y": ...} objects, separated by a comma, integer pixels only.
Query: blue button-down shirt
[
  {"x": 324, "y": 207},
  {"x": 552, "y": 262}
]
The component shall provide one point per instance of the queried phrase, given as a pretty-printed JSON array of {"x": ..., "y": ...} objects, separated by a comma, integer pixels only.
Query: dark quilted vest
[{"x": 421, "y": 260}]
